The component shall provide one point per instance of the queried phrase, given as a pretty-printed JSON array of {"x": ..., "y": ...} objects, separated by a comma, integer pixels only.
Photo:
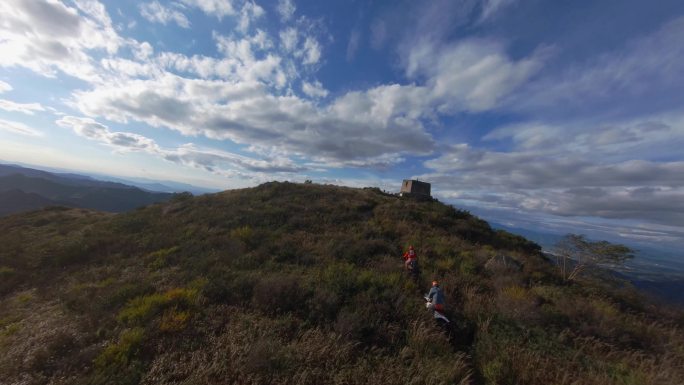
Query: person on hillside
[
  {"x": 436, "y": 298},
  {"x": 410, "y": 258}
]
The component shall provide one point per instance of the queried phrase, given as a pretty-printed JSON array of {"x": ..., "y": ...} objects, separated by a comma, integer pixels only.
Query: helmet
[{"x": 435, "y": 283}]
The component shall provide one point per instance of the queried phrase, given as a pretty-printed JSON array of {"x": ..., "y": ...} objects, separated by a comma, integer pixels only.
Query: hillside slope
[
  {"x": 24, "y": 189},
  {"x": 303, "y": 284},
  {"x": 15, "y": 201}
]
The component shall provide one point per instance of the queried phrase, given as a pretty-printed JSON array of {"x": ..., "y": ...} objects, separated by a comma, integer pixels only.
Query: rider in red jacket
[{"x": 409, "y": 256}]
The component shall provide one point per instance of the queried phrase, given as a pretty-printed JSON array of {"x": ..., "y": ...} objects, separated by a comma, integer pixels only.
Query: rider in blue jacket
[{"x": 436, "y": 298}]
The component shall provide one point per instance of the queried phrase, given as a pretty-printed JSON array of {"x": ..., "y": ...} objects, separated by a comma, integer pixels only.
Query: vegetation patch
[{"x": 304, "y": 284}]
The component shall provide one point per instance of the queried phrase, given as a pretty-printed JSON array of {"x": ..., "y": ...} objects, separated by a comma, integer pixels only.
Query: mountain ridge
[{"x": 41, "y": 189}]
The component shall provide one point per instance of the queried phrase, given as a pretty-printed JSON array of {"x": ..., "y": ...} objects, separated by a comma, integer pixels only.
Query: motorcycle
[
  {"x": 438, "y": 315},
  {"x": 412, "y": 269}
]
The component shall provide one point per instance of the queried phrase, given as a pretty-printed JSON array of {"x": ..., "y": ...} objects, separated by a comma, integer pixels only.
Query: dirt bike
[
  {"x": 412, "y": 269},
  {"x": 438, "y": 315}
]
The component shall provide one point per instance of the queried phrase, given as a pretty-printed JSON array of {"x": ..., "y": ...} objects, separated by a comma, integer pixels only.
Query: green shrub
[
  {"x": 224, "y": 286},
  {"x": 160, "y": 258},
  {"x": 141, "y": 309},
  {"x": 6, "y": 272},
  {"x": 126, "y": 348},
  {"x": 467, "y": 267},
  {"x": 243, "y": 233},
  {"x": 279, "y": 295},
  {"x": 174, "y": 320}
]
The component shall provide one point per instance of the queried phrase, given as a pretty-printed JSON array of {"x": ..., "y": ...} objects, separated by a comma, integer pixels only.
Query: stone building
[{"x": 415, "y": 188}]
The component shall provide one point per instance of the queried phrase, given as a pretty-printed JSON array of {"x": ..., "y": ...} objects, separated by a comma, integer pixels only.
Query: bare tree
[{"x": 576, "y": 253}]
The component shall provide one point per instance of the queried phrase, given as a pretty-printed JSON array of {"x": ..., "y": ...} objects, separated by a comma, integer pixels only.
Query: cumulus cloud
[
  {"x": 250, "y": 11},
  {"x": 471, "y": 75},
  {"x": 157, "y": 13},
  {"x": 91, "y": 129},
  {"x": 570, "y": 186},
  {"x": 234, "y": 99},
  {"x": 649, "y": 137},
  {"x": 234, "y": 96},
  {"x": 374, "y": 127},
  {"x": 314, "y": 90},
  {"x": 286, "y": 9},
  {"x": 50, "y": 36},
  {"x": 311, "y": 50},
  {"x": 218, "y": 8},
  {"x": 4, "y": 87},
  {"x": 659, "y": 205},
  {"x": 212, "y": 160},
  {"x": 355, "y": 127},
  {"x": 289, "y": 38},
  {"x": 222, "y": 161},
  {"x": 18, "y": 128}
]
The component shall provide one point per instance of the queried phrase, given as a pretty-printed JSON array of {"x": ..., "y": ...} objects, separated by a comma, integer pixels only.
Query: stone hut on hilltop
[{"x": 415, "y": 188}]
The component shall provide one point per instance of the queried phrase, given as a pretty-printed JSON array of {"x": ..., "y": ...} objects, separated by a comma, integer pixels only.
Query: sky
[{"x": 553, "y": 115}]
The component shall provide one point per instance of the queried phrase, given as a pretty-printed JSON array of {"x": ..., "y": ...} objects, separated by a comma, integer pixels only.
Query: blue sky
[{"x": 551, "y": 115}]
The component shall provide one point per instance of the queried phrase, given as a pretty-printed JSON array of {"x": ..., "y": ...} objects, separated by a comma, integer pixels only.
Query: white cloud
[
  {"x": 4, "y": 87},
  {"x": 143, "y": 51},
  {"x": 471, "y": 75},
  {"x": 644, "y": 76},
  {"x": 314, "y": 90},
  {"x": 91, "y": 129},
  {"x": 311, "y": 51},
  {"x": 24, "y": 108},
  {"x": 353, "y": 44},
  {"x": 249, "y": 13},
  {"x": 561, "y": 183},
  {"x": 157, "y": 13},
  {"x": 241, "y": 62},
  {"x": 49, "y": 36},
  {"x": 216, "y": 160},
  {"x": 288, "y": 39},
  {"x": 212, "y": 160},
  {"x": 491, "y": 8},
  {"x": 18, "y": 128},
  {"x": 353, "y": 129},
  {"x": 244, "y": 95},
  {"x": 655, "y": 136},
  {"x": 218, "y": 8},
  {"x": 286, "y": 9}
]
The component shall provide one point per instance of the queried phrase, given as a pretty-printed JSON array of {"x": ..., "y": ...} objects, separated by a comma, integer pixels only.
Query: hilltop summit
[{"x": 302, "y": 284}]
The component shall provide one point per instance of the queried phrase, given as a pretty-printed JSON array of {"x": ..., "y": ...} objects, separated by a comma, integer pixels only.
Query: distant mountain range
[
  {"x": 152, "y": 185},
  {"x": 23, "y": 189},
  {"x": 659, "y": 272},
  {"x": 157, "y": 186}
]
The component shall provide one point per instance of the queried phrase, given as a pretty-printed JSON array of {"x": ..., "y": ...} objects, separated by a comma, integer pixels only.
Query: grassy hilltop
[{"x": 303, "y": 284}]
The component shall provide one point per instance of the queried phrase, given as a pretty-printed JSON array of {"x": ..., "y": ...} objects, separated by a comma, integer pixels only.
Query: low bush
[
  {"x": 120, "y": 362},
  {"x": 141, "y": 309},
  {"x": 279, "y": 295}
]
